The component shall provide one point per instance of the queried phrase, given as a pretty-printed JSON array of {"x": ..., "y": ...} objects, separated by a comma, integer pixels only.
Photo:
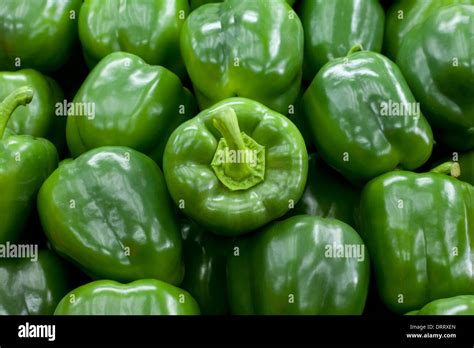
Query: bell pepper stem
[
  {"x": 227, "y": 124},
  {"x": 20, "y": 96},
  {"x": 355, "y": 48},
  {"x": 239, "y": 161},
  {"x": 450, "y": 168}
]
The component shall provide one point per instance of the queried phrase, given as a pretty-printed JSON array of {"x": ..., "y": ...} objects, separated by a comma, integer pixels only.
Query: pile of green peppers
[{"x": 236, "y": 157}]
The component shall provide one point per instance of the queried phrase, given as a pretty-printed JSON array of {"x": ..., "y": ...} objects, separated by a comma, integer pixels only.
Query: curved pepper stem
[
  {"x": 239, "y": 161},
  {"x": 227, "y": 124},
  {"x": 355, "y": 48},
  {"x": 20, "y": 96},
  {"x": 449, "y": 168}
]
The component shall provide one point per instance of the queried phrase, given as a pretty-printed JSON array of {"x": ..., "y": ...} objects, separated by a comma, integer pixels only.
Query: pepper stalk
[
  {"x": 20, "y": 96},
  {"x": 235, "y": 173}
]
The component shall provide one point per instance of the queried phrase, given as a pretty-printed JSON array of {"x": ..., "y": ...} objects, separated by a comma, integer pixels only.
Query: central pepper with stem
[{"x": 228, "y": 196}]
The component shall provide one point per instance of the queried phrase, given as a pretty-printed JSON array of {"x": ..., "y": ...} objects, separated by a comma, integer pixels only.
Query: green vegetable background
[{"x": 237, "y": 157}]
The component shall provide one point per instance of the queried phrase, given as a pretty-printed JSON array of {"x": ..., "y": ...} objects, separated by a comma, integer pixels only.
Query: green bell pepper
[
  {"x": 25, "y": 162},
  {"x": 109, "y": 212},
  {"x": 39, "y": 119},
  {"x": 141, "y": 297},
  {"x": 364, "y": 118},
  {"x": 303, "y": 265},
  {"x": 205, "y": 257},
  {"x": 37, "y": 34},
  {"x": 244, "y": 48},
  {"x": 196, "y": 3},
  {"x": 33, "y": 287},
  {"x": 148, "y": 29},
  {"x": 419, "y": 229},
  {"x": 127, "y": 102},
  {"x": 459, "y": 305},
  {"x": 327, "y": 194},
  {"x": 232, "y": 182},
  {"x": 331, "y": 28},
  {"x": 404, "y": 15},
  {"x": 437, "y": 60}
]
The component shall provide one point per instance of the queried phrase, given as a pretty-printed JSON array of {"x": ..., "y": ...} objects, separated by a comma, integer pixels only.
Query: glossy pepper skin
[
  {"x": 404, "y": 15},
  {"x": 33, "y": 287},
  {"x": 419, "y": 229},
  {"x": 205, "y": 256},
  {"x": 136, "y": 105},
  {"x": 351, "y": 107},
  {"x": 244, "y": 48},
  {"x": 327, "y": 194},
  {"x": 40, "y": 118},
  {"x": 196, "y": 3},
  {"x": 141, "y": 297},
  {"x": 287, "y": 268},
  {"x": 107, "y": 26},
  {"x": 109, "y": 212},
  {"x": 437, "y": 60},
  {"x": 25, "y": 162},
  {"x": 459, "y": 305},
  {"x": 232, "y": 196},
  {"x": 331, "y": 28},
  {"x": 37, "y": 34}
]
